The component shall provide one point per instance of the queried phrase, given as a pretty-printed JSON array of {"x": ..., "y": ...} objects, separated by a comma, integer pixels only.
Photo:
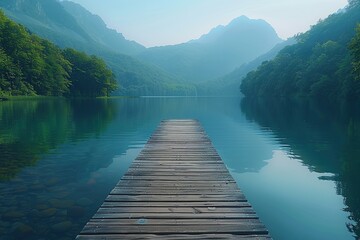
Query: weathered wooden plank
[
  {"x": 173, "y": 237},
  {"x": 177, "y": 178},
  {"x": 174, "y": 153},
  {"x": 170, "y": 222},
  {"x": 175, "y": 204},
  {"x": 236, "y": 197},
  {"x": 211, "y": 184},
  {"x": 242, "y": 228},
  {"x": 175, "y": 185},
  {"x": 179, "y": 169},
  {"x": 167, "y": 191},
  {"x": 177, "y": 188},
  {"x": 194, "y": 175},
  {"x": 151, "y": 209},
  {"x": 168, "y": 172},
  {"x": 193, "y": 215},
  {"x": 178, "y": 160},
  {"x": 163, "y": 189},
  {"x": 187, "y": 161},
  {"x": 183, "y": 163}
]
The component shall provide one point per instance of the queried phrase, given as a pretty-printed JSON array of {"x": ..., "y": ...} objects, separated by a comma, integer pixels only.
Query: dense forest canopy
[
  {"x": 34, "y": 66},
  {"x": 355, "y": 51},
  {"x": 322, "y": 66},
  {"x": 90, "y": 75}
]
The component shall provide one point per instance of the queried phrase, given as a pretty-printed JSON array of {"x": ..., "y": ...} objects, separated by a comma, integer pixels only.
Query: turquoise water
[{"x": 60, "y": 158}]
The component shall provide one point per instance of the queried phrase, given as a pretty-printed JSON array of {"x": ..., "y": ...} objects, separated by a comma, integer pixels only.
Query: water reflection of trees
[
  {"x": 31, "y": 128},
  {"x": 326, "y": 140}
]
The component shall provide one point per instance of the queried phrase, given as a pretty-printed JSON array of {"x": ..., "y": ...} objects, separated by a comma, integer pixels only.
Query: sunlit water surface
[{"x": 60, "y": 158}]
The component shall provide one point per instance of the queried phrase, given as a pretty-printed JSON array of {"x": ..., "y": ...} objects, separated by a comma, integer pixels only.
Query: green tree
[
  {"x": 317, "y": 68},
  {"x": 57, "y": 71},
  {"x": 18, "y": 44},
  {"x": 353, "y": 2},
  {"x": 355, "y": 51},
  {"x": 90, "y": 76},
  {"x": 10, "y": 74},
  {"x": 31, "y": 65}
]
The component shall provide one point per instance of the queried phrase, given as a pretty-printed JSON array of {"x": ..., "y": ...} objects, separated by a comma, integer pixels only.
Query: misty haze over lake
[{"x": 83, "y": 86}]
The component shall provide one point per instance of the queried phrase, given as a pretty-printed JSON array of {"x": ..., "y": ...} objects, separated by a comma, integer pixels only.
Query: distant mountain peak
[
  {"x": 244, "y": 20},
  {"x": 216, "y": 53},
  {"x": 239, "y": 25},
  {"x": 239, "y": 19}
]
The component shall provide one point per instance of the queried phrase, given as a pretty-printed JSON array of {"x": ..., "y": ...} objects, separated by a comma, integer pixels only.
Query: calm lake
[{"x": 60, "y": 158}]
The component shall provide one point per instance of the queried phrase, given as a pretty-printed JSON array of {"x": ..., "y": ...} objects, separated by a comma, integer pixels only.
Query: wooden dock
[{"x": 177, "y": 188}]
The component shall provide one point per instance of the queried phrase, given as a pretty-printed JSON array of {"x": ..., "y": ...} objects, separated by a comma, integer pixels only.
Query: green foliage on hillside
[
  {"x": 138, "y": 79},
  {"x": 33, "y": 66},
  {"x": 228, "y": 85},
  {"x": 68, "y": 25},
  {"x": 96, "y": 28},
  {"x": 90, "y": 75},
  {"x": 318, "y": 67},
  {"x": 355, "y": 51}
]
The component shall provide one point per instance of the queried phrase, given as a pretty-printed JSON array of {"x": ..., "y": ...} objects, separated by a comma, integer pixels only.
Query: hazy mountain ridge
[
  {"x": 217, "y": 53},
  {"x": 97, "y": 29},
  {"x": 46, "y": 15},
  {"x": 50, "y": 20},
  {"x": 229, "y": 84},
  {"x": 212, "y": 56}
]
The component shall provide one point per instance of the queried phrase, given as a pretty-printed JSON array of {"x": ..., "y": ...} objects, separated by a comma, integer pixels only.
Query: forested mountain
[
  {"x": 95, "y": 27},
  {"x": 229, "y": 84},
  {"x": 30, "y": 65},
  {"x": 323, "y": 66},
  {"x": 217, "y": 53},
  {"x": 51, "y": 20},
  {"x": 68, "y": 25}
]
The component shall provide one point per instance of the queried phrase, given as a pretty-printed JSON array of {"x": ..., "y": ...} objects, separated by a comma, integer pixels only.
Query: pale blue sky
[{"x": 164, "y": 22}]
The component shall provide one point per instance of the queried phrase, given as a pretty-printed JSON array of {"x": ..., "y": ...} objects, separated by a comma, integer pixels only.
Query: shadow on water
[
  {"x": 326, "y": 142},
  {"x": 30, "y": 129},
  {"x": 43, "y": 179}
]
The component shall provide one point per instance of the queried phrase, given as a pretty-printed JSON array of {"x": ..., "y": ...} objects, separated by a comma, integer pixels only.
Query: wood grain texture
[
  {"x": 177, "y": 188},
  {"x": 172, "y": 237}
]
